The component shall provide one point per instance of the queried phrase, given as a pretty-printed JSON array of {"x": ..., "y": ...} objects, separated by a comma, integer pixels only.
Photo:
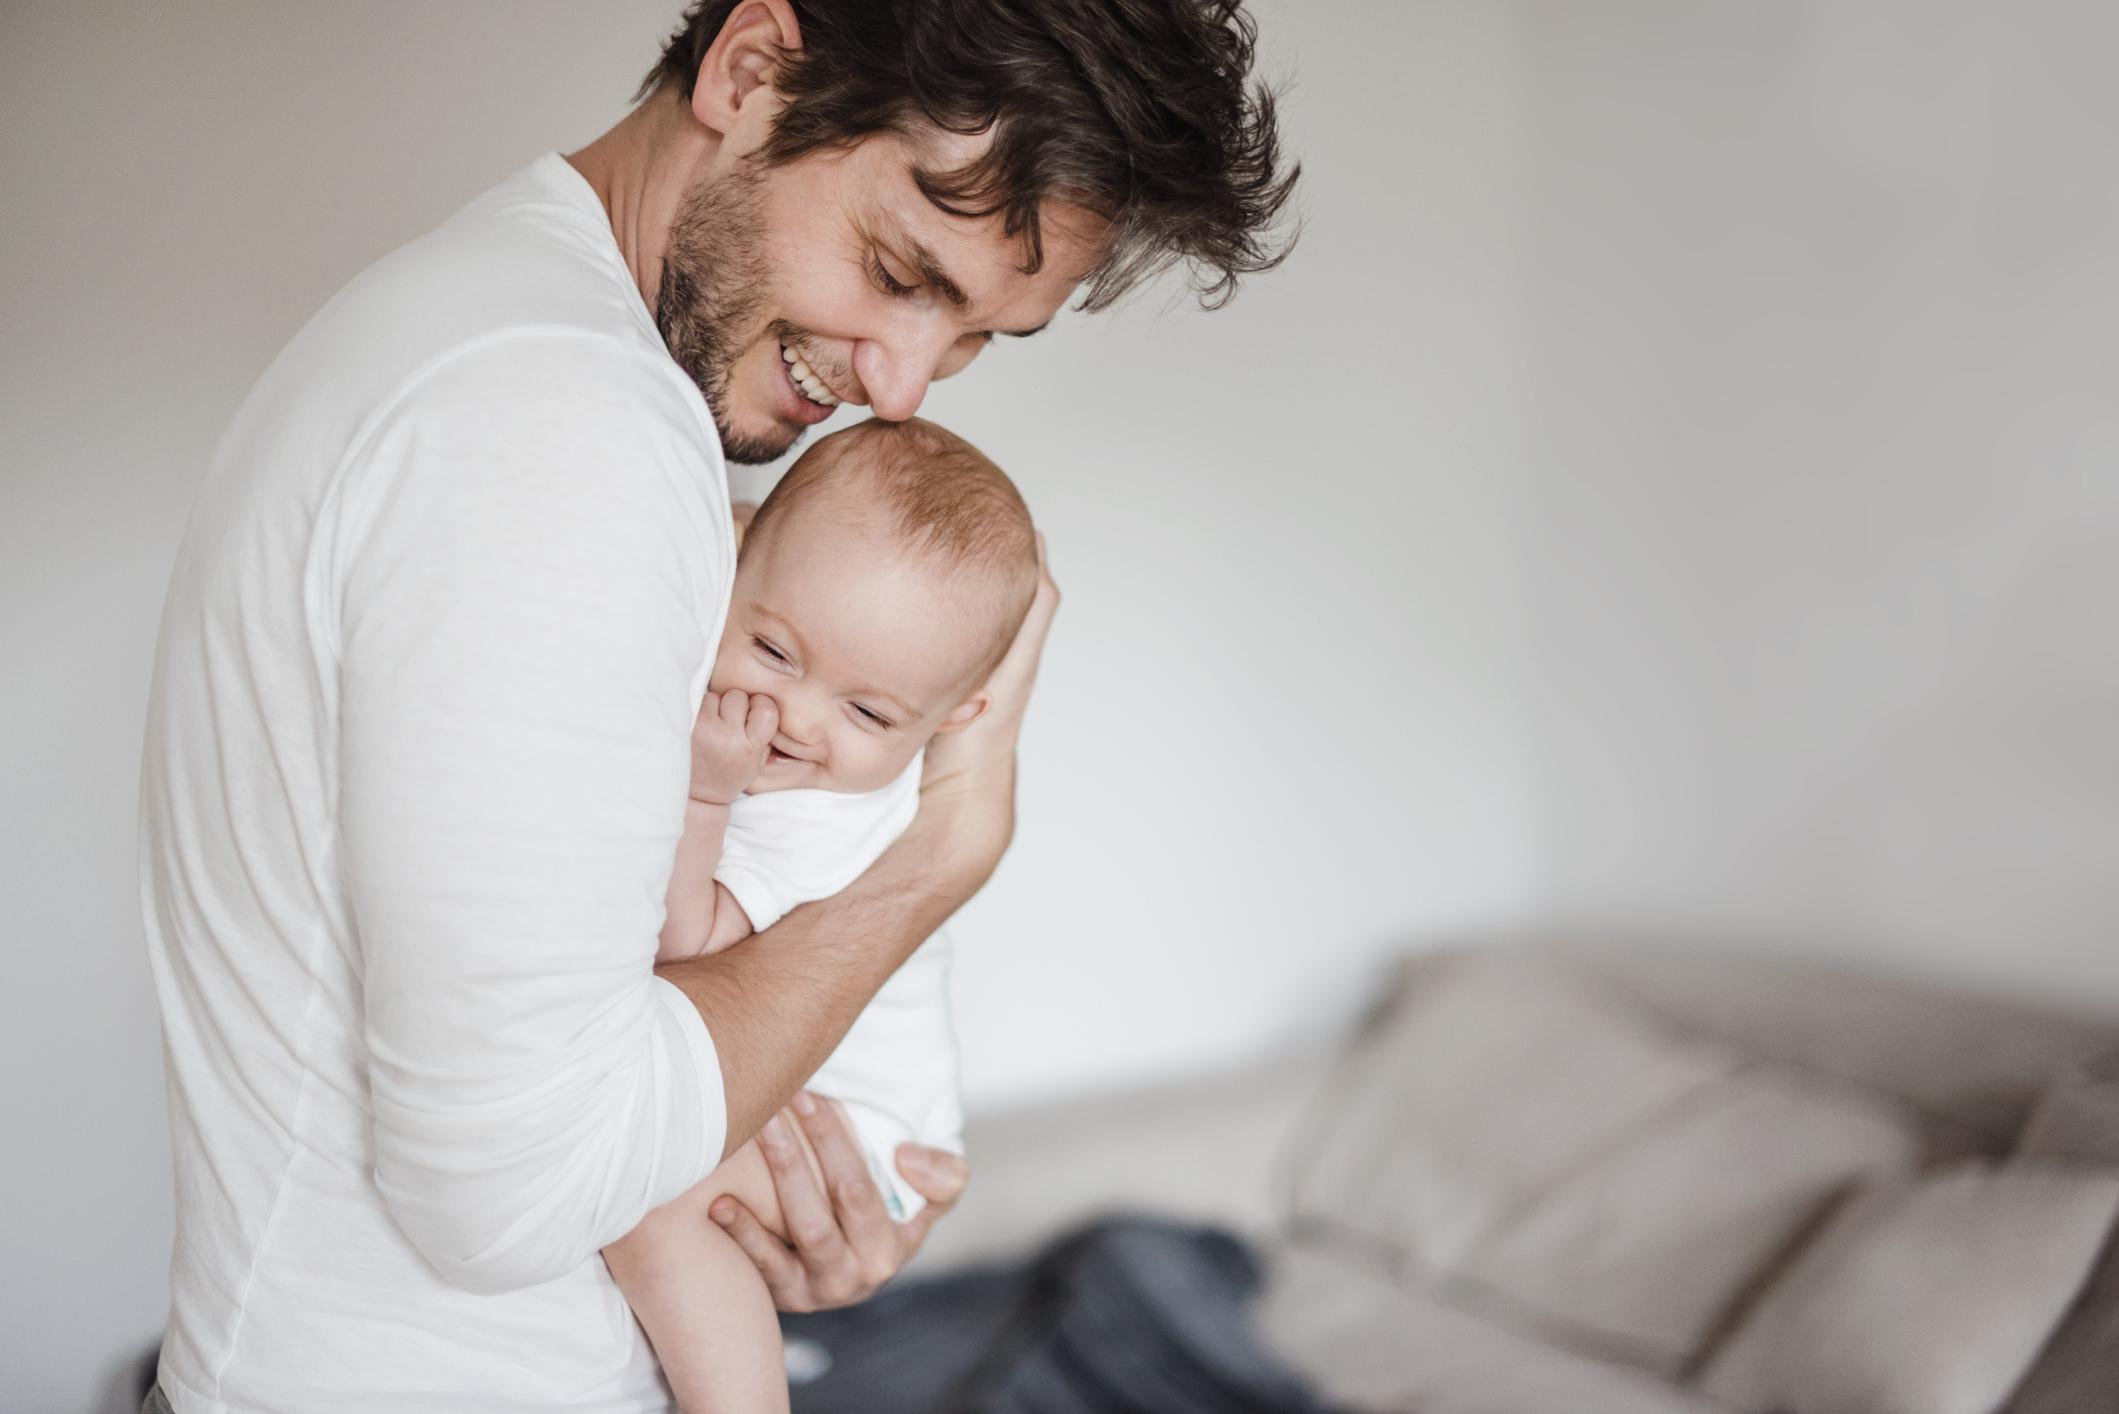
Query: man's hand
[
  {"x": 729, "y": 742},
  {"x": 968, "y": 783},
  {"x": 843, "y": 1245}
]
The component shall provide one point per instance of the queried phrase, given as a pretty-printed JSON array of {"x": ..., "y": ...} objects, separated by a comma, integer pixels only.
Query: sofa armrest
[{"x": 1207, "y": 1149}]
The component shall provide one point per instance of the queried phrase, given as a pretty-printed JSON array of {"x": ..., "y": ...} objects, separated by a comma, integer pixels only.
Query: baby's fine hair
[{"x": 945, "y": 500}]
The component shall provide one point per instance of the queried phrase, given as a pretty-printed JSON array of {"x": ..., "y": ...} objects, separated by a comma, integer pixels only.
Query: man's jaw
[
  {"x": 752, "y": 433},
  {"x": 798, "y": 397}
]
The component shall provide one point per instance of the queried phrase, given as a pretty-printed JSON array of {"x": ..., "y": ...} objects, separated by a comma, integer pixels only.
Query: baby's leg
[{"x": 703, "y": 1305}]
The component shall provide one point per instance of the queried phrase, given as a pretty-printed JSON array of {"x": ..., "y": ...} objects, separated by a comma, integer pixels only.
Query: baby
[{"x": 877, "y": 589}]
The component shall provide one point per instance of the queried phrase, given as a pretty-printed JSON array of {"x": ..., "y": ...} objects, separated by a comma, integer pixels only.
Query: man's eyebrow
[
  {"x": 929, "y": 267},
  {"x": 932, "y": 273}
]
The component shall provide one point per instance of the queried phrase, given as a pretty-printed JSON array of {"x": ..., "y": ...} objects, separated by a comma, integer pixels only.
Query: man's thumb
[{"x": 939, "y": 1175}]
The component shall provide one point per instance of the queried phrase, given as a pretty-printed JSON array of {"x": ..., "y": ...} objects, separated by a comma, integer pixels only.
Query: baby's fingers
[
  {"x": 763, "y": 722},
  {"x": 735, "y": 703}
]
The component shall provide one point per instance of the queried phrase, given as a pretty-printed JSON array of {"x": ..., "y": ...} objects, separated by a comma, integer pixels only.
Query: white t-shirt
[
  {"x": 790, "y": 847},
  {"x": 895, "y": 1073},
  {"x": 414, "y": 777}
]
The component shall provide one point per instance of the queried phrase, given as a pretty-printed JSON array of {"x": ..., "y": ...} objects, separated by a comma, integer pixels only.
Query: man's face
[{"x": 787, "y": 290}]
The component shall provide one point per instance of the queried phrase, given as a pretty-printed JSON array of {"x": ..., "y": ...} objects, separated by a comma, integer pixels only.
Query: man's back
[{"x": 309, "y": 720}]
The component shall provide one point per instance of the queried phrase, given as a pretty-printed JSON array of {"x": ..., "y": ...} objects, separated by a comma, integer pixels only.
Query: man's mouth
[{"x": 805, "y": 381}]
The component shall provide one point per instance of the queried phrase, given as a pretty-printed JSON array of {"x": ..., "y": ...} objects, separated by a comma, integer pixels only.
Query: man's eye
[
  {"x": 883, "y": 722},
  {"x": 888, "y": 283},
  {"x": 768, "y": 650}
]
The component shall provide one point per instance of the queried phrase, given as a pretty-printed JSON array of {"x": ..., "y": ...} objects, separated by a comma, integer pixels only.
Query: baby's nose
[{"x": 798, "y": 722}]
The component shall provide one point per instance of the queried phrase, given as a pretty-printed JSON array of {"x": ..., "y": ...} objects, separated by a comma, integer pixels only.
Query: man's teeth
[{"x": 811, "y": 385}]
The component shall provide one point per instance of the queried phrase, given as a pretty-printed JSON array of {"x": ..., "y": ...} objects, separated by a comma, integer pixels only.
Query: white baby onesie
[{"x": 895, "y": 1073}]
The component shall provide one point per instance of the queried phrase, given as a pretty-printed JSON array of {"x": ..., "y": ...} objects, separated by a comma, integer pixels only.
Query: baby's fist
[{"x": 729, "y": 742}]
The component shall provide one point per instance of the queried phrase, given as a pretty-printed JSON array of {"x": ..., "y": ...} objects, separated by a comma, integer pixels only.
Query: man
[{"x": 416, "y": 754}]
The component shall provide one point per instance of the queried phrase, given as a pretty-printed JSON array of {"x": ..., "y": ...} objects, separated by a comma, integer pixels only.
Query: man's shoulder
[
  {"x": 529, "y": 263},
  {"x": 505, "y": 361}
]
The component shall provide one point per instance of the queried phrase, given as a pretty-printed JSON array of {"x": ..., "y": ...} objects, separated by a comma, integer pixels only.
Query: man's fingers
[
  {"x": 803, "y": 1205},
  {"x": 782, "y": 1273},
  {"x": 936, "y": 1174},
  {"x": 1011, "y": 681},
  {"x": 913, "y": 1235},
  {"x": 940, "y": 1177},
  {"x": 846, "y": 1177}
]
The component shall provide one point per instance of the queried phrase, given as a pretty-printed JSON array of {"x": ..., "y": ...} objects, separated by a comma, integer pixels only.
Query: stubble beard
[{"x": 713, "y": 285}]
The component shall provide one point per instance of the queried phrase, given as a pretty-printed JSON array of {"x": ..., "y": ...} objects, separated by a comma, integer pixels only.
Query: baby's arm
[
  {"x": 728, "y": 746},
  {"x": 701, "y": 916}
]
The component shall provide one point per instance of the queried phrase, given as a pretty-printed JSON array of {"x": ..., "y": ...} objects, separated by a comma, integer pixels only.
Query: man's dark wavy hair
[{"x": 1141, "y": 111}]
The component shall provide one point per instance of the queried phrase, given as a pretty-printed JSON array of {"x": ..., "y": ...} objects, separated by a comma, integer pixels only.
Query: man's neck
[{"x": 641, "y": 170}]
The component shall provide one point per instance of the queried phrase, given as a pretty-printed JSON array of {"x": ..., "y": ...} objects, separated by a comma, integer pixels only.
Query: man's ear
[
  {"x": 735, "y": 78},
  {"x": 966, "y": 712}
]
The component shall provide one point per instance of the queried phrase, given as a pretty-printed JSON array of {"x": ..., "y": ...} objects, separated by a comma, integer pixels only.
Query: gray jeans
[{"x": 157, "y": 1402}]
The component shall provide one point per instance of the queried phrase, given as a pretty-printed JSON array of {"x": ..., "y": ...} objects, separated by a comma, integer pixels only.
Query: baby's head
[{"x": 878, "y": 587}]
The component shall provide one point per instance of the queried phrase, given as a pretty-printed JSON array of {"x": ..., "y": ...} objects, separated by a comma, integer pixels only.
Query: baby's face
[{"x": 855, "y": 642}]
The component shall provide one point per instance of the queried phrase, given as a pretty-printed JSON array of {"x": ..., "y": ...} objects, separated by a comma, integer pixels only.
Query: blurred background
[{"x": 1674, "y": 483}]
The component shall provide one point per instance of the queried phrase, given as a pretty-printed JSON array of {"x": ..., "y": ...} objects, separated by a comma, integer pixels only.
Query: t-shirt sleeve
[
  {"x": 526, "y": 567},
  {"x": 791, "y": 847}
]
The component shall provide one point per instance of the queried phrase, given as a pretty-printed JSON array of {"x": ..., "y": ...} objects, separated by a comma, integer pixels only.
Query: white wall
[
  {"x": 1820, "y": 487},
  {"x": 1278, "y": 728}
]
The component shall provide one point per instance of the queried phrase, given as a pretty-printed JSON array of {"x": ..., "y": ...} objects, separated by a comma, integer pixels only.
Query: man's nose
[{"x": 896, "y": 373}]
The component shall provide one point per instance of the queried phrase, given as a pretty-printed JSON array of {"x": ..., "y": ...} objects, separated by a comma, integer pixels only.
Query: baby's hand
[{"x": 729, "y": 742}]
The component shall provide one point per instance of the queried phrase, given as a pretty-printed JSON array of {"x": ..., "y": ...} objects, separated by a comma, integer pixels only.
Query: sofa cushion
[
  {"x": 1971, "y": 1061},
  {"x": 2077, "y": 1117},
  {"x": 1515, "y": 1126},
  {"x": 2077, "y": 1121},
  {"x": 1367, "y": 1343},
  {"x": 1495, "y": 1077},
  {"x": 1930, "y": 1296},
  {"x": 1645, "y": 1250}
]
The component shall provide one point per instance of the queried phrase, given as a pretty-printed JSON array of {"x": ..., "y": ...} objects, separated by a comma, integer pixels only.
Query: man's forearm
[{"x": 778, "y": 1005}]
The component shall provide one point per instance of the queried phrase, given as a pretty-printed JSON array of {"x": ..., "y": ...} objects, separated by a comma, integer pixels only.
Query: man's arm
[{"x": 520, "y": 567}]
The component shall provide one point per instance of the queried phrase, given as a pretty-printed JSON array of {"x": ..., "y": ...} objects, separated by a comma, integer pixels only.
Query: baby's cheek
[
  {"x": 733, "y": 670},
  {"x": 874, "y": 762}
]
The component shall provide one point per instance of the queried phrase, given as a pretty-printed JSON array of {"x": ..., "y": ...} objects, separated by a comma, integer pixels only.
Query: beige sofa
[{"x": 1623, "y": 1178}]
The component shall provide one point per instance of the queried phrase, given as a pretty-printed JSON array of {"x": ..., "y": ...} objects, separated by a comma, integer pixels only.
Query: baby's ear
[{"x": 965, "y": 712}]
